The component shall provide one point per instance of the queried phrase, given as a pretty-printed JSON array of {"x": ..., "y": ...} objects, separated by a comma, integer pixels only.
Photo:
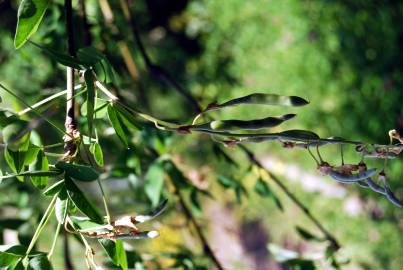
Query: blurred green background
[{"x": 345, "y": 57}]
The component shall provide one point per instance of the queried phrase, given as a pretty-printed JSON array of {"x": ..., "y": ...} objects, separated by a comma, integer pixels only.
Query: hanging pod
[
  {"x": 351, "y": 177},
  {"x": 388, "y": 192}
]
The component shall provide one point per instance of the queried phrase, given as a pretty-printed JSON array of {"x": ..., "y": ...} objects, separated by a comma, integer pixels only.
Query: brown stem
[
  {"x": 206, "y": 247},
  {"x": 70, "y": 146},
  {"x": 292, "y": 197}
]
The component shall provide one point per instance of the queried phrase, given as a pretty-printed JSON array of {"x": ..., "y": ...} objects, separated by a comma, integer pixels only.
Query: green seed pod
[
  {"x": 265, "y": 99},
  {"x": 233, "y": 125}
]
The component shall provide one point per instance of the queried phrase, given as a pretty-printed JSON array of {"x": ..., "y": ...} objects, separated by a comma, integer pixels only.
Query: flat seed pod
[
  {"x": 351, "y": 178},
  {"x": 375, "y": 187},
  {"x": 298, "y": 135},
  {"x": 234, "y": 125},
  {"x": 264, "y": 99}
]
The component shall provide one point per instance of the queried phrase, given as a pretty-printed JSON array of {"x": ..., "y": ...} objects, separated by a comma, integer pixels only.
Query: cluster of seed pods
[{"x": 361, "y": 175}]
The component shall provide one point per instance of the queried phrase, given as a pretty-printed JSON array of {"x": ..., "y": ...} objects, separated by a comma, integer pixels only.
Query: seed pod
[
  {"x": 234, "y": 125},
  {"x": 264, "y": 99},
  {"x": 375, "y": 187},
  {"x": 351, "y": 178},
  {"x": 379, "y": 154},
  {"x": 259, "y": 139},
  {"x": 363, "y": 184},
  {"x": 388, "y": 192}
]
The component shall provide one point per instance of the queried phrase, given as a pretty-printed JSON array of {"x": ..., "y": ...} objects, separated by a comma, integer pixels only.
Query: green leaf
[
  {"x": 55, "y": 188},
  {"x": 264, "y": 99},
  {"x": 9, "y": 255},
  {"x": 262, "y": 188},
  {"x": 89, "y": 82},
  {"x": 15, "y": 160},
  {"x": 82, "y": 202},
  {"x": 115, "y": 252},
  {"x": 176, "y": 175},
  {"x": 61, "y": 206},
  {"x": 63, "y": 59},
  {"x": 194, "y": 200},
  {"x": 227, "y": 182},
  {"x": 99, "y": 111},
  {"x": 102, "y": 67},
  {"x": 307, "y": 235},
  {"x": 235, "y": 125},
  {"x": 113, "y": 117},
  {"x": 31, "y": 154},
  {"x": 16, "y": 134},
  {"x": 79, "y": 172},
  {"x": 96, "y": 151},
  {"x": 154, "y": 182},
  {"x": 41, "y": 165},
  {"x": 39, "y": 262},
  {"x": 127, "y": 117},
  {"x": 30, "y": 14}
]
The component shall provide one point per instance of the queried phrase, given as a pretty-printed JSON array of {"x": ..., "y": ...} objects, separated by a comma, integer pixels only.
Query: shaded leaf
[
  {"x": 115, "y": 252},
  {"x": 154, "y": 182},
  {"x": 9, "y": 255},
  {"x": 113, "y": 117},
  {"x": 101, "y": 65},
  {"x": 30, "y": 14},
  {"x": 55, "y": 188},
  {"x": 100, "y": 109},
  {"x": 96, "y": 151},
  {"x": 39, "y": 262},
  {"x": 307, "y": 235},
  {"x": 61, "y": 206},
  {"x": 82, "y": 202},
  {"x": 79, "y": 172},
  {"x": 262, "y": 188},
  {"x": 16, "y": 134},
  {"x": 62, "y": 58},
  {"x": 40, "y": 165}
]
